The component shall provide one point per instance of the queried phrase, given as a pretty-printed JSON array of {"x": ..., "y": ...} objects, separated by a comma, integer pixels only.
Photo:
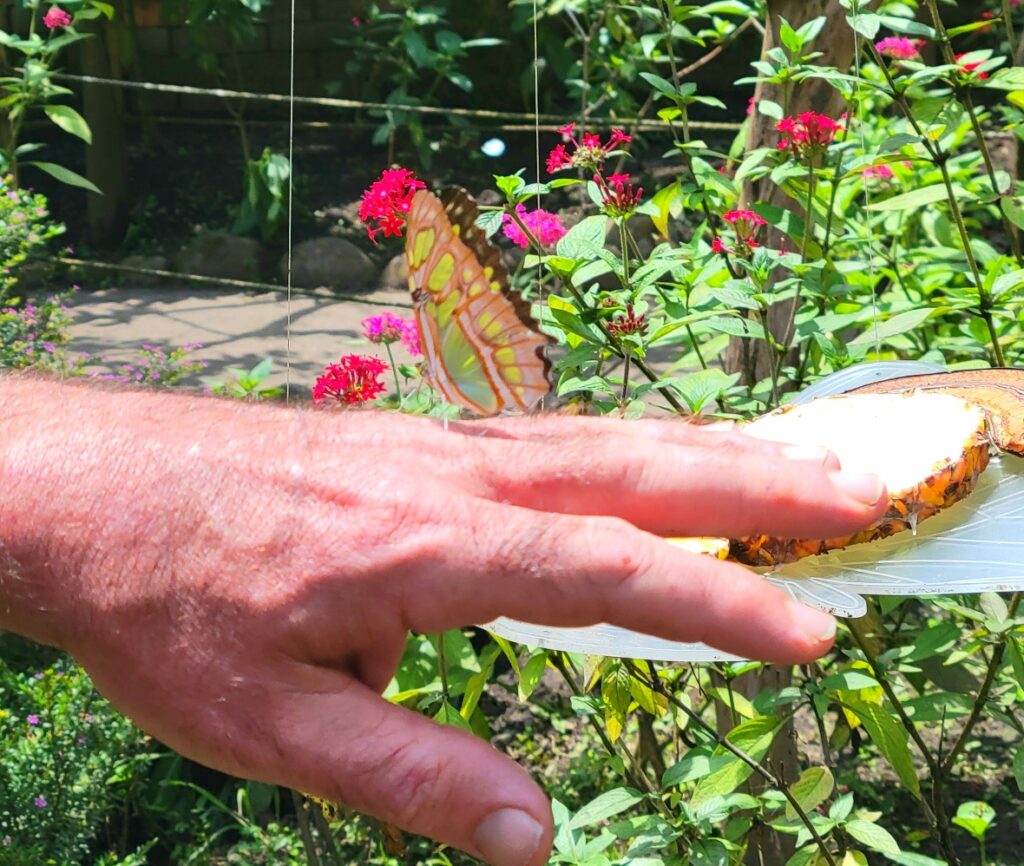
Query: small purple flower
[
  {"x": 32, "y": 719},
  {"x": 40, "y": 802}
]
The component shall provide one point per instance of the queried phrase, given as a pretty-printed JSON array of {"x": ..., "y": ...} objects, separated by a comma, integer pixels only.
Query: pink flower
[
  {"x": 40, "y": 802},
  {"x": 32, "y": 719},
  {"x": 897, "y": 47},
  {"x": 56, "y": 17},
  {"x": 718, "y": 247},
  {"x": 877, "y": 172},
  {"x": 742, "y": 217},
  {"x": 388, "y": 328},
  {"x": 619, "y": 197},
  {"x": 354, "y": 379},
  {"x": 588, "y": 152},
  {"x": 807, "y": 134},
  {"x": 387, "y": 200},
  {"x": 546, "y": 227}
]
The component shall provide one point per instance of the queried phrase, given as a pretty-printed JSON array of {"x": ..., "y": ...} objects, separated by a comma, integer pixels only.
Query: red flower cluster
[
  {"x": 807, "y": 134},
  {"x": 630, "y": 323},
  {"x": 619, "y": 197},
  {"x": 746, "y": 224},
  {"x": 588, "y": 152},
  {"x": 354, "y": 379},
  {"x": 967, "y": 67},
  {"x": 387, "y": 200}
]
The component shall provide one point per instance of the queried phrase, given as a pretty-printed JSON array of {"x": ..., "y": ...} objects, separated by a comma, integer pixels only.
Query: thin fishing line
[
  {"x": 291, "y": 210},
  {"x": 867, "y": 191},
  {"x": 536, "y": 143}
]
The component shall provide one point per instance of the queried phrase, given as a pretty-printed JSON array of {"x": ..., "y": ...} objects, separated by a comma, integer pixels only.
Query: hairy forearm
[{"x": 96, "y": 481}]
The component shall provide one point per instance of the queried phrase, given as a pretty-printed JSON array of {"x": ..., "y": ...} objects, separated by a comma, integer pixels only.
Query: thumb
[{"x": 342, "y": 742}]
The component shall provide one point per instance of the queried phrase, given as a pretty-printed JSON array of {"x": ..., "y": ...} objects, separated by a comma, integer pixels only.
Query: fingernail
[
  {"x": 508, "y": 837},
  {"x": 807, "y": 453},
  {"x": 812, "y": 622},
  {"x": 863, "y": 487}
]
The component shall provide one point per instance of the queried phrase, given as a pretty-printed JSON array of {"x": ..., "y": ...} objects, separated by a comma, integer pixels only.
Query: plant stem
[
  {"x": 655, "y": 684},
  {"x": 442, "y": 665},
  {"x": 394, "y": 370},
  {"x": 613, "y": 341},
  {"x": 995, "y": 663},
  {"x": 1011, "y": 38}
]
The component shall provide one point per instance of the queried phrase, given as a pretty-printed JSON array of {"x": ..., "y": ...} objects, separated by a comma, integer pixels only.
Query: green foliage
[
  {"x": 25, "y": 230},
  {"x": 264, "y": 207},
  {"x": 27, "y": 84},
  {"x": 405, "y": 53},
  {"x": 155, "y": 366},
  {"x": 66, "y": 759},
  {"x": 34, "y": 335},
  {"x": 244, "y": 385}
]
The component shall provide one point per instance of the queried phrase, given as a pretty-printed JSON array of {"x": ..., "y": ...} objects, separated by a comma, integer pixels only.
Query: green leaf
[
  {"x": 531, "y": 673},
  {"x": 617, "y": 696},
  {"x": 850, "y": 681},
  {"x": 919, "y": 197},
  {"x": 66, "y": 175},
  {"x": 1016, "y": 659},
  {"x": 896, "y": 326},
  {"x": 770, "y": 109},
  {"x": 875, "y": 837},
  {"x": 605, "y": 806},
  {"x": 975, "y": 817},
  {"x": 69, "y": 120},
  {"x": 866, "y": 24},
  {"x": 910, "y": 858},
  {"x": 448, "y": 715},
  {"x": 697, "y": 389},
  {"x": 489, "y": 221},
  {"x": 1018, "y": 767},
  {"x": 584, "y": 237},
  {"x": 753, "y": 738},
  {"x": 813, "y": 788},
  {"x": 891, "y": 739}
]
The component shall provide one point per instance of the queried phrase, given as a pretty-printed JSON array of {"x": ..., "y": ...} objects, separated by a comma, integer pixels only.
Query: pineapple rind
[{"x": 907, "y": 508}]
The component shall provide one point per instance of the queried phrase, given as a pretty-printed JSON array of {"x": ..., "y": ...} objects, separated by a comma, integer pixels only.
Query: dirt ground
[{"x": 235, "y": 329}]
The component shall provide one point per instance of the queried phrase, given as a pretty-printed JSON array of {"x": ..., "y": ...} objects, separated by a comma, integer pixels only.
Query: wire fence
[{"x": 526, "y": 120}]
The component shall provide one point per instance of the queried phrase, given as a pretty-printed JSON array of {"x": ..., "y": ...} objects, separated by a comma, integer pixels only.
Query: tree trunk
[
  {"x": 837, "y": 44},
  {"x": 106, "y": 159},
  {"x": 768, "y": 848}
]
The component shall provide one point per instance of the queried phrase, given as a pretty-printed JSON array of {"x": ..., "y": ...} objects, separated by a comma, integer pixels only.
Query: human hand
[{"x": 240, "y": 579}]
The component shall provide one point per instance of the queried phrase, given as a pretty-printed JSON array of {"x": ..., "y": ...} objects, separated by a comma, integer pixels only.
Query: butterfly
[{"x": 483, "y": 351}]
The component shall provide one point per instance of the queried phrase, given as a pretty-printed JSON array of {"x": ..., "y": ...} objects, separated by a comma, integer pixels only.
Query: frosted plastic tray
[{"x": 975, "y": 546}]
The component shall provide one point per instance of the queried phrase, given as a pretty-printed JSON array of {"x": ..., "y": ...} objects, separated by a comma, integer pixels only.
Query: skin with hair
[{"x": 239, "y": 579}]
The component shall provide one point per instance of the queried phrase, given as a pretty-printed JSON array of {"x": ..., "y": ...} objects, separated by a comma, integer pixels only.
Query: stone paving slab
[{"x": 236, "y": 329}]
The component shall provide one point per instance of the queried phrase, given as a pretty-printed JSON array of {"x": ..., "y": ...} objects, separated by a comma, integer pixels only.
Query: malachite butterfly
[{"x": 483, "y": 351}]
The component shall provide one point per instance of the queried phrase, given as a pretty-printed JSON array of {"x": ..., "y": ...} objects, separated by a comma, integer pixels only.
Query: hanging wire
[
  {"x": 291, "y": 210},
  {"x": 867, "y": 191}
]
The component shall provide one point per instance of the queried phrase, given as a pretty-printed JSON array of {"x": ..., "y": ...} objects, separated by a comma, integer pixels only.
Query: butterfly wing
[{"x": 482, "y": 348}]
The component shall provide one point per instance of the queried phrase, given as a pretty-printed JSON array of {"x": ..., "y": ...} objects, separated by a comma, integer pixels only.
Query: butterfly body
[{"x": 482, "y": 349}]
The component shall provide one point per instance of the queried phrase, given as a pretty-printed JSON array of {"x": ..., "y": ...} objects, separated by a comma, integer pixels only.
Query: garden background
[{"x": 810, "y": 184}]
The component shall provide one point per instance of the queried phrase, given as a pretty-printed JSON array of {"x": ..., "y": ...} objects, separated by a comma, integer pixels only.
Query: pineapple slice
[
  {"x": 928, "y": 447},
  {"x": 1000, "y": 392}
]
